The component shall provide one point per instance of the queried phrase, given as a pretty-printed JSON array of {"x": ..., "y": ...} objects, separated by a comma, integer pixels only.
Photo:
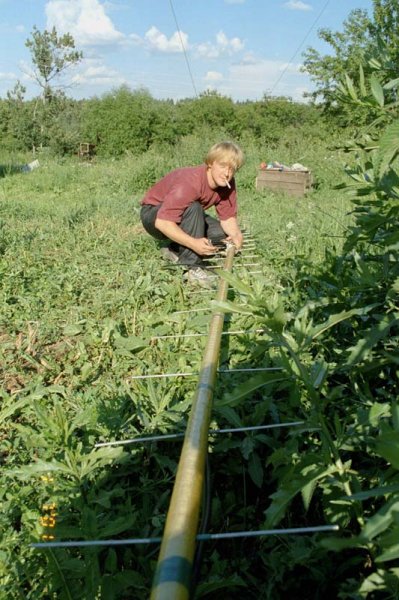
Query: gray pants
[{"x": 195, "y": 222}]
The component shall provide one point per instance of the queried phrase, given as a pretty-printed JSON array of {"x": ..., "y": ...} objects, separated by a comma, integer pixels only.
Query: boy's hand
[
  {"x": 203, "y": 247},
  {"x": 236, "y": 240}
]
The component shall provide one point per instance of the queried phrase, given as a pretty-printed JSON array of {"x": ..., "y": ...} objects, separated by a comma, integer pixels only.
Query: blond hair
[{"x": 227, "y": 152}]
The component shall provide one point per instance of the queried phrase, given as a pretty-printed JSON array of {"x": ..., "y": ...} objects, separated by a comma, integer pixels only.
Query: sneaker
[
  {"x": 169, "y": 255},
  {"x": 200, "y": 277}
]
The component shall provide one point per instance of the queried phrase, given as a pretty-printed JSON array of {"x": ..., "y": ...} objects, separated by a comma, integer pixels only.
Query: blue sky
[{"x": 241, "y": 48}]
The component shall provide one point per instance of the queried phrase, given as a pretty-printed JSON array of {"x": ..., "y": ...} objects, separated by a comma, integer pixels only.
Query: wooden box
[{"x": 294, "y": 183}]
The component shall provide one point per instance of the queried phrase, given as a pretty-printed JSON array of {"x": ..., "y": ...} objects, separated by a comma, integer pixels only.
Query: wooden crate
[
  {"x": 294, "y": 183},
  {"x": 86, "y": 151}
]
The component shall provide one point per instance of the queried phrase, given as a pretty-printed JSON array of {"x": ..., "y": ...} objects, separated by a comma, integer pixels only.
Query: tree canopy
[
  {"x": 362, "y": 39},
  {"x": 51, "y": 56}
]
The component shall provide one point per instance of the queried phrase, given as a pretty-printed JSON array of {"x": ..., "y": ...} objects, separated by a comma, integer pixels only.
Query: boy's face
[{"x": 220, "y": 173}]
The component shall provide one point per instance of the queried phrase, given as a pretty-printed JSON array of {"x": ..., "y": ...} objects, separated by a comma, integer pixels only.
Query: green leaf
[
  {"x": 364, "y": 346},
  {"x": 72, "y": 330},
  {"x": 208, "y": 587},
  {"x": 388, "y": 148},
  {"x": 376, "y": 492},
  {"x": 318, "y": 373},
  {"x": 374, "y": 63},
  {"x": 293, "y": 485},
  {"x": 131, "y": 343},
  {"x": 377, "y": 412},
  {"x": 6, "y": 412},
  {"x": 387, "y": 446},
  {"x": 255, "y": 469},
  {"x": 376, "y": 89},
  {"x": 230, "y": 415},
  {"x": 118, "y": 526},
  {"x": 390, "y": 554},
  {"x": 250, "y": 386},
  {"x": 350, "y": 88},
  {"x": 377, "y": 582},
  {"x": 361, "y": 81},
  {"x": 236, "y": 283},
  {"x": 75, "y": 566},
  {"x": 380, "y": 521},
  {"x": 389, "y": 240},
  {"x": 334, "y": 319},
  {"x": 337, "y": 544},
  {"x": 389, "y": 543},
  {"x": 307, "y": 493},
  {"x": 394, "y": 83},
  {"x": 395, "y": 414},
  {"x": 230, "y": 307}
]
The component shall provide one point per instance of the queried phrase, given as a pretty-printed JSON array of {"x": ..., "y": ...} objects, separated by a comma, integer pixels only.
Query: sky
[{"x": 175, "y": 49}]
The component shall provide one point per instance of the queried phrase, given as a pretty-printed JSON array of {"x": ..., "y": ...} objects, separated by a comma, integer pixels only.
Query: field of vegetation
[
  {"x": 84, "y": 296},
  {"x": 83, "y": 292}
]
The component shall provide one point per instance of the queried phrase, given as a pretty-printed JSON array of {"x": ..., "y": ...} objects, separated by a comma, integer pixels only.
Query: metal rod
[
  {"x": 191, "y": 373},
  {"x": 162, "y": 375},
  {"x": 248, "y": 264},
  {"x": 237, "y": 266},
  {"x": 175, "y": 562},
  {"x": 250, "y": 370},
  {"x": 188, "y": 335},
  {"x": 191, "y": 310},
  {"x": 175, "y": 436},
  {"x": 199, "y": 537},
  {"x": 208, "y": 290},
  {"x": 240, "y": 255}
]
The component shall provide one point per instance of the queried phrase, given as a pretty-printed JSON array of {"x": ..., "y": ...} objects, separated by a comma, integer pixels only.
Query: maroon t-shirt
[{"x": 179, "y": 188}]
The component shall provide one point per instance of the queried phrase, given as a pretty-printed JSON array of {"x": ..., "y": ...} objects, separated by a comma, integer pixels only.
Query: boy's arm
[{"x": 231, "y": 228}]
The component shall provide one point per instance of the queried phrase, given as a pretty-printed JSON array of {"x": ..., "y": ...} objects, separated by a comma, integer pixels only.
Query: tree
[
  {"x": 125, "y": 121},
  {"x": 360, "y": 41},
  {"x": 51, "y": 56},
  {"x": 348, "y": 50},
  {"x": 209, "y": 109},
  {"x": 386, "y": 28},
  {"x": 17, "y": 124}
]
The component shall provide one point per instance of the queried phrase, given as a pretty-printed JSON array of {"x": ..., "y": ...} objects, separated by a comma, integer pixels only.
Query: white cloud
[
  {"x": 252, "y": 78},
  {"x": 222, "y": 47},
  {"x": 85, "y": 20},
  {"x": 234, "y": 1},
  {"x": 297, "y": 5},
  {"x": 213, "y": 76},
  {"x": 20, "y": 28},
  {"x": 156, "y": 40},
  {"x": 94, "y": 72},
  {"x": 7, "y": 76}
]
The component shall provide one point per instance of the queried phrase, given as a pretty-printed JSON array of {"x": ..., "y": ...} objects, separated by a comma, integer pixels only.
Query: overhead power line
[
  {"x": 183, "y": 48},
  {"x": 300, "y": 46}
]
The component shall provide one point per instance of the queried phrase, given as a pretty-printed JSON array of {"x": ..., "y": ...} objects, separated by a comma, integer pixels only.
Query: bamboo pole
[{"x": 173, "y": 572}]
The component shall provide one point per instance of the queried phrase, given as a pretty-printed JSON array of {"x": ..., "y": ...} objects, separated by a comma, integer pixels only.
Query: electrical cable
[
  {"x": 183, "y": 48},
  {"x": 299, "y": 47}
]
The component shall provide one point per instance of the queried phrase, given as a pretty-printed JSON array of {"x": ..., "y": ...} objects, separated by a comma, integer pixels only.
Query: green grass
[{"x": 82, "y": 293}]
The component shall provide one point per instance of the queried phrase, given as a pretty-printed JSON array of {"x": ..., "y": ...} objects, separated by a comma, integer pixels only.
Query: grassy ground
[{"x": 83, "y": 292}]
